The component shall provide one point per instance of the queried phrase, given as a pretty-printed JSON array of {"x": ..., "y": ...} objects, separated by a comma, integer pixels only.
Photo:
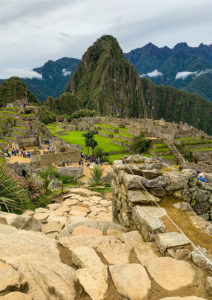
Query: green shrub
[
  {"x": 139, "y": 144},
  {"x": 12, "y": 198},
  {"x": 96, "y": 176}
]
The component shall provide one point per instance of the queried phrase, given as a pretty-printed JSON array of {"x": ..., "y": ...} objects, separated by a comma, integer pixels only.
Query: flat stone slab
[
  {"x": 72, "y": 242},
  {"x": 171, "y": 274},
  {"x": 131, "y": 280},
  {"x": 169, "y": 240},
  {"x": 115, "y": 253},
  {"x": 148, "y": 220}
]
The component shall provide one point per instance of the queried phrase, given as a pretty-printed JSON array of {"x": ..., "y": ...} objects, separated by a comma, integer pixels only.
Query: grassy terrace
[
  {"x": 189, "y": 138},
  {"x": 3, "y": 141},
  {"x": 160, "y": 149},
  {"x": 202, "y": 149}
]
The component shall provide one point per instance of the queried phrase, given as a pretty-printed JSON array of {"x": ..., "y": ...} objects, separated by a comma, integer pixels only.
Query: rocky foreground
[{"x": 73, "y": 250}]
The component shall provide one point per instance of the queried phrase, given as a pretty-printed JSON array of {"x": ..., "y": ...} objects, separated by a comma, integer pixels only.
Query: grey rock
[
  {"x": 177, "y": 181},
  {"x": 159, "y": 192},
  {"x": 151, "y": 174},
  {"x": 148, "y": 166},
  {"x": 134, "y": 181},
  {"x": 147, "y": 220},
  {"x": 203, "y": 260},
  {"x": 158, "y": 182}
]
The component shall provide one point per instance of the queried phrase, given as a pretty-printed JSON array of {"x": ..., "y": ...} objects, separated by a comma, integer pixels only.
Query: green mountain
[
  {"x": 55, "y": 78},
  {"x": 183, "y": 67},
  {"x": 105, "y": 81},
  {"x": 14, "y": 89}
]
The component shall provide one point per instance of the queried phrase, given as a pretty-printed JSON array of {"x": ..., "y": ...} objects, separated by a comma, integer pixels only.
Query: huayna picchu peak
[{"x": 104, "y": 80}]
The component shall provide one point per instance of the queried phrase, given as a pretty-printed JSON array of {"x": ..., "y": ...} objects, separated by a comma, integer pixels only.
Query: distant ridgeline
[
  {"x": 183, "y": 67},
  {"x": 105, "y": 81}
]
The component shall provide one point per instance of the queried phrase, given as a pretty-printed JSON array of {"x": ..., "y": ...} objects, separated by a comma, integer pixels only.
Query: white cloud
[
  {"x": 22, "y": 73},
  {"x": 184, "y": 74},
  {"x": 154, "y": 73},
  {"x": 34, "y": 31},
  {"x": 66, "y": 72}
]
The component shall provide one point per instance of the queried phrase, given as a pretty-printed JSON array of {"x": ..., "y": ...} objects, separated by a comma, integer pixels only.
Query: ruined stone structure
[
  {"x": 72, "y": 154},
  {"x": 134, "y": 208}
]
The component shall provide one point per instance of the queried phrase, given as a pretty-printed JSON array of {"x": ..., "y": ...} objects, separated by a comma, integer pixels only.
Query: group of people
[
  {"x": 66, "y": 163},
  {"x": 89, "y": 159}
]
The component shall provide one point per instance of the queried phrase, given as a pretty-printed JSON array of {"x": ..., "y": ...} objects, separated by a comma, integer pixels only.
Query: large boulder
[
  {"x": 131, "y": 281},
  {"x": 14, "y": 242},
  {"x": 133, "y": 181},
  {"x": 47, "y": 278}
]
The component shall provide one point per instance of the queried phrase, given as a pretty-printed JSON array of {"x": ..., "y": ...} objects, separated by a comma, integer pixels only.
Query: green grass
[
  {"x": 113, "y": 157},
  {"x": 160, "y": 149},
  {"x": 105, "y": 126},
  {"x": 189, "y": 138},
  {"x": 75, "y": 137},
  {"x": 202, "y": 149},
  {"x": 146, "y": 154},
  {"x": 20, "y": 127},
  {"x": 19, "y": 133},
  {"x": 160, "y": 145},
  {"x": 172, "y": 157},
  {"x": 106, "y": 132},
  {"x": 3, "y": 141}
]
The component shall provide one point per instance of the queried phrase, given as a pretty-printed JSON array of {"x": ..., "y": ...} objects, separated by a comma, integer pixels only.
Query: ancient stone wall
[
  {"x": 132, "y": 207},
  {"x": 56, "y": 158}
]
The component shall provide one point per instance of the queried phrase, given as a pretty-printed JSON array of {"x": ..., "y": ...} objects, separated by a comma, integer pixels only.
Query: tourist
[
  {"x": 70, "y": 162},
  {"x": 63, "y": 164}
]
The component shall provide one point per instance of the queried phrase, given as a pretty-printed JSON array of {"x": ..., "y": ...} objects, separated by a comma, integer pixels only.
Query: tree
[
  {"x": 139, "y": 144},
  {"x": 89, "y": 140}
]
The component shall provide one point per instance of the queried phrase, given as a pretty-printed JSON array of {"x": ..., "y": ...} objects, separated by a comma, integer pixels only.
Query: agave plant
[
  {"x": 96, "y": 176},
  {"x": 12, "y": 197}
]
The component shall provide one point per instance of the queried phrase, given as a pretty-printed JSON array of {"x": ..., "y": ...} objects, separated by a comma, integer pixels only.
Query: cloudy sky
[{"x": 34, "y": 31}]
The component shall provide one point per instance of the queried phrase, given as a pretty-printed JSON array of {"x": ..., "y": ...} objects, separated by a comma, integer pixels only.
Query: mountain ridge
[{"x": 106, "y": 81}]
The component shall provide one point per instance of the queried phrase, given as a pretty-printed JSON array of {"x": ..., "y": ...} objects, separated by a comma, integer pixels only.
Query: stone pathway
[{"x": 73, "y": 250}]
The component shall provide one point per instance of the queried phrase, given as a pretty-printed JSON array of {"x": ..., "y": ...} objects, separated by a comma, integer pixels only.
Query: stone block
[
  {"x": 147, "y": 220},
  {"x": 169, "y": 240}
]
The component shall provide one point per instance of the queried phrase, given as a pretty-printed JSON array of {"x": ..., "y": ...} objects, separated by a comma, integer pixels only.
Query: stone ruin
[{"x": 133, "y": 208}]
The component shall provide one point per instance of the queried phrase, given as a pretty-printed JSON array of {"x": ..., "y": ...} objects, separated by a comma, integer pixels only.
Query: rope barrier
[{"x": 152, "y": 199}]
